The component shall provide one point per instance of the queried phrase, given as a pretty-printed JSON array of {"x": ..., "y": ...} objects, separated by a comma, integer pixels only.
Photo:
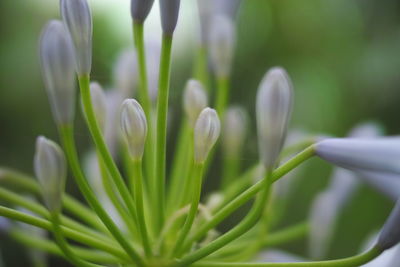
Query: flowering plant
[{"x": 145, "y": 216}]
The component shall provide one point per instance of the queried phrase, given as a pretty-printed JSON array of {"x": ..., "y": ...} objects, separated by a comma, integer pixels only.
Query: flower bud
[
  {"x": 140, "y": 9},
  {"x": 206, "y": 133},
  {"x": 390, "y": 233},
  {"x": 228, "y": 7},
  {"x": 58, "y": 70},
  {"x": 125, "y": 72},
  {"x": 50, "y": 169},
  {"x": 273, "y": 110},
  {"x": 387, "y": 184},
  {"x": 134, "y": 127},
  {"x": 153, "y": 54},
  {"x": 78, "y": 19},
  {"x": 234, "y": 130},
  {"x": 221, "y": 44},
  {"x": 99, "y": 103},
  {"x": 194, "y": 100},
  {"x": 362, "y": 154},
  {"x": 169, "y": 10}
]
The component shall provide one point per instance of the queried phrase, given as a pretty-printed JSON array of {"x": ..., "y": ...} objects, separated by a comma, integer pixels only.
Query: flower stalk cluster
[{"x": 137, "y": 212}]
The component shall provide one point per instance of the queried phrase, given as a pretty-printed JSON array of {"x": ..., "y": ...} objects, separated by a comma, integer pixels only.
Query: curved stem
[
  {"x": 346, "y": 262},
  {"x": 70, "y": 150},
  {"x": 196, "y": 193},
  {"x": 249, "y": 193},
  {"x": 162, "y": 109},
  {"x": 138, "y": 188},
  {"x": 288, "y": 234},
  {"x": 64, "y": 246}
]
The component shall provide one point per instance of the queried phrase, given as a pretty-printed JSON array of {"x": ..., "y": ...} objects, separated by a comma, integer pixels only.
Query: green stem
[
  {"x": 222, "y": 95},
  {"x": 346, "y": 262},
  {"x": 27, "y": 183},
  {"x": 196, "y": 193},
  {"x": 138, "y": 189},
  {"x": 162, "y": 109},
  {"x": 288, "y": 234},
  {"x": 64, "y": 246},
  {"x": 249, "y": 193},
  {"x": 70, "y": 150},
  {"x": 49, "y": 247},
  {"x": 247, "y": 223},
  {"x": 75, "y": 235},
  {"x": 84, "y": 83},
  {"x": 200, "y": 71}
]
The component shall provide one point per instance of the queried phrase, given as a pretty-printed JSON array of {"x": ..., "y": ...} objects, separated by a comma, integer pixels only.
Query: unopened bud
[
  {"x": 169, "y": 15},
  {"x": 50, "y": 169},
  {"x": 274, "y": 106},
  {"x": 125, "y": 72},
  {"x": 134, "y": 127},
  {"x": 390, "y": 233},
  {"x": 78, "y": 19},
  {"x": 206, "y": 133},
  {"x": 194, "y": 100},
  {"x": 234, "y": 130},
  {"x": 58, "y": 69},
  {"x": 140, "y": 9},
  {"x": 99, "y": 103},
  {"x": 221, "y": 44}
]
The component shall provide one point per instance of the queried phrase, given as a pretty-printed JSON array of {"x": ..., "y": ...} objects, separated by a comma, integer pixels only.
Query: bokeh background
[{"x": 343, "y": 57}]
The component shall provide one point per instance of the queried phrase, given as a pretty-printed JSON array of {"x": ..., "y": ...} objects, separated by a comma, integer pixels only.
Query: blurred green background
[{"x": 343, "y": 57}]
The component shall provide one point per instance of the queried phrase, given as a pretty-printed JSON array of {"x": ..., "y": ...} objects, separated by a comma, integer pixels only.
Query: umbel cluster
[{"x": 136, "y": 213}]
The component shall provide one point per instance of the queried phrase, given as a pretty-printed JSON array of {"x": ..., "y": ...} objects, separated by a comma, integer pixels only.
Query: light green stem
[
  {"x": 138, "y": 189},
  {"x": 70, "y": 150},
  {"x": 346, "y": 262},
  {"x": 161, "y": 138},
  {"x": 196, "y": 193},
  {"x": 222, "y": 95},
  {"x": 248, "y": 194},
  {"x": 230, "y": 169}
]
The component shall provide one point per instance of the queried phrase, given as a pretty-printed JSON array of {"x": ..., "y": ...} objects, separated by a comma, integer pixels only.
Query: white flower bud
[
  {"x": 273, "y": 110},
  {"x": 206, "y": 133},
  {"x": 362, "y": 154},
  {"x": 140, "y": 9},
  {"x": 78, "y": 19},
  {"x": 99, "y": 103},
  {"x": 390, "y": 233},
  {"x": 228, "y": 7},
  {"x": 58, "y": 69},
  {"x": 153, "y": 54},
  {"x": 134, "y": 127},
  {"x": 126, "y": 72},
  {"x": 221, "y": 44},
  {"x": 194, "y": 100},
  {"x": 169, "y": 10},
  {"x": 234, "y": 130},
  {"x": 50, "y": 169}
]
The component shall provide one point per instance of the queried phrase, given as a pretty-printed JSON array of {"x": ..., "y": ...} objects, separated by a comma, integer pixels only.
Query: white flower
[
  {"x": 99, "y": 103},
  {"x": 125, "y": 72},
  {"x": 234, "y": 130},
  {"x": 194, "y": 100}
]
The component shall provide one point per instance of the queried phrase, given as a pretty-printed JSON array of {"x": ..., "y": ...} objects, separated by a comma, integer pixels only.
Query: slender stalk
[
  {"x": 70, "y": 150},
  {"x": 200, "y": 71},
  {"x": 145, "y": 100},
  {"x": 138, "y": 189},
  {"x": 161, "y": 138},
  {"x": 346, "y": 262},
  {"x": 247, "y": 223},
  {"x": 50, "y": 247},
  {"x": 101, "y": 145},
  {"x": 75, "y": 235},
  {"x": 64, "y": 246},
  {"x": 248, "y": 194},
  {"x": 288, "y": 234},
  {"x": 222, "y": 95},
  {"x": 196, "y": 193}
]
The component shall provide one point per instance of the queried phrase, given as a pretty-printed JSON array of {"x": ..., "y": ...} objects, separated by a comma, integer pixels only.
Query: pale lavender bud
[
  {"x": 387, "y": 184},
  {"x": 78, "y": 19},
  {"x": 58, "y": 69},
  {"x": 126, "y": 72},
  {"x": 99, "y": 103},
  {"x": 206, "y": 133},
  {"x": 134, "y": 127},
  {"x": 169, "y": 10},
  {"x": 194, "y": 100},
  {"x": 360, "y": 154},
  {"x": 234, "y": 130},
  {"x": 221, "y": 44},
  {"x": 228, "y": 7},
  {"x": 273, "y": 110},
  {"x": 390, "y": 233},
  {"x": 153, "y": 54},
  {"x": 140, "y": 9},
  {"x": 50, "y": 169}
]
